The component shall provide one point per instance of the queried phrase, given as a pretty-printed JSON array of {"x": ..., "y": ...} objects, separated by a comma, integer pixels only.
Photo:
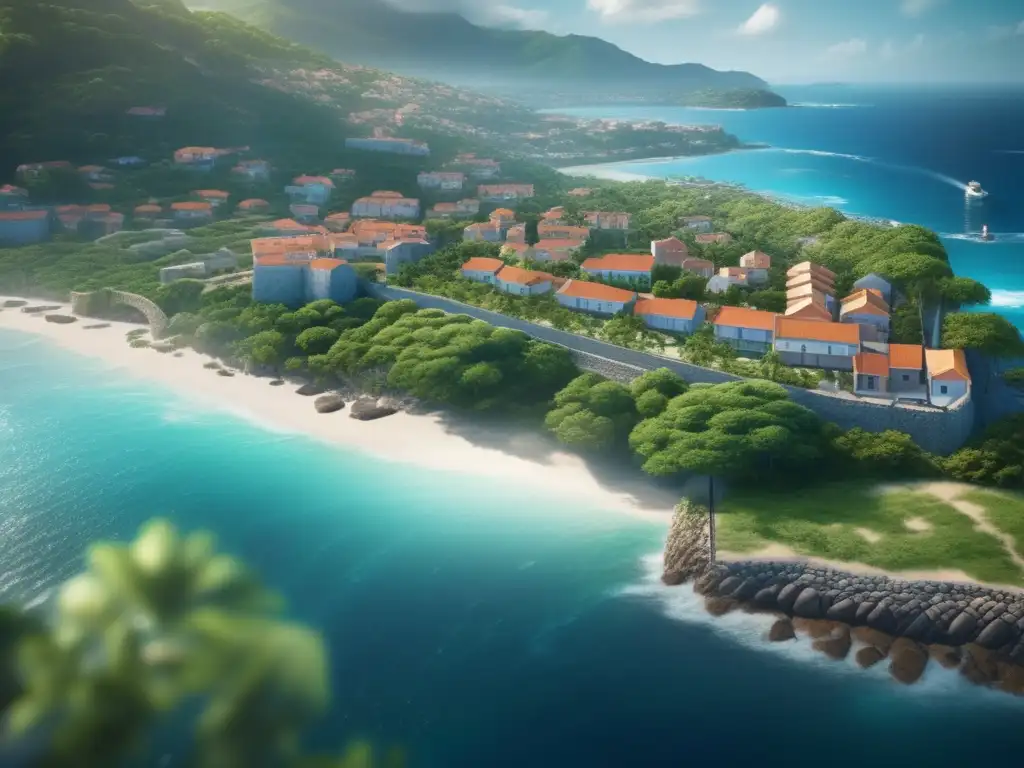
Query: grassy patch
[
  {"x": 1004, "y": 510},
  {"x": 822, "y": 521}
]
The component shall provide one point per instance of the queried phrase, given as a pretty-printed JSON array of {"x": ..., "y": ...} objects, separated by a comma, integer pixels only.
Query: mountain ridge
[{"x": 446, "y": 46}]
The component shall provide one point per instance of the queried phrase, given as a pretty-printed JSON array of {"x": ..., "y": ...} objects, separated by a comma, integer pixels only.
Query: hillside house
[
  {"x": 757, "y": 264},
  {"x": 818, "y": 281},
  {"x": 696, "y": 223},
  {"x": 817, "y": 344},
  {"x": 484, "y": 231},
  {"x": 192, "y": 213},
  {"x": 24, "y": 227},
  {"x": 253, "y": 205},
  {"x": 147, "y": 212},
  {"x": 280, "y": 280},
  {"x": 374, "y": 232},
  {"x": 223, "y": 260},
  {"x": 726, "y": 278},
  {"x": 338, "y": 222},
  {"x": 745, "y": 330},
  {"x": 810, "y": 308},
  {"x": 478, "y": 167},
  {"x": 631, "y": 268},
  {"x": 609, "y": 220},
  {"x": 523, "y": 282},
  {"x": 304, "y": 213},
  {"x": 948, "y": 377},
  {"x": 285, "y": 228},
  {"x": 874, "y": 282},
  {"x": 516, "y": 234},
  {"x": 871, "y": 374},
  {"x": 810, "y": 268},
  {"x": 503, "y": 217},
  {"x": 515, "y": 250},
  {"x": 700, "y": 267},
  {"x": 252, "y": 170},
  {"x": 444, "y": 181},
  {"x": 462, "y": 209},
  {"x": 215, "y": 197},
  {"x": 555, "y": 250},
  {"x": 672, "y": 315},
  {"x": 482, "y": 270},
  {"x": 553, "y": 215},
  {"x": 12, "y": 197},
  {"x": 906, "y": 371},
  {"x": 312, "y": 190},
  {"x": 868, "y": 308},
  {"x": 713, "y": 238},
  {"x": 671, "y": 251},
  {"x": 390, "y": 145},
  {"x": 504, "y": 193},
  {"x": 547, "y": 231},
  {"x": 197, "y": 158},
  {"x": 404, "y": 251},
  {"x": 386, "y": 205},
  {"x": 807, "y": 290},
  {"x": 580, "y": 191},
  {"x": 596, "y": 298}
]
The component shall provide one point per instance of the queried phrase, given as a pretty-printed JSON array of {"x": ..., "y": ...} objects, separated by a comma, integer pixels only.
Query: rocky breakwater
[{"x": 976, "y": 630}]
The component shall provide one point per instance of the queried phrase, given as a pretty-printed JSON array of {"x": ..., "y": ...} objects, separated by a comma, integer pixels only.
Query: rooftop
[
  {"x": 907, "y": 356},
  {"x": 682, "y": 308},
  {"x": 483, "y": 264},
  {"x": 741, "y": 317},
  {"x": 871, "y": 363},
  {"x": 620, "y": 262},
  {"x": 816, "y": 330},
  {"x": 586, "y": 290},
  {"x": 947, "y": 364},
  {"x": 521, "y": 276},
  {"x": 756, "y": 260}
]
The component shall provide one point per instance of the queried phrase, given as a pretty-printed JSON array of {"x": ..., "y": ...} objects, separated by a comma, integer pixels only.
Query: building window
[
  {"x": 870, "y": 380},
  {"x": 943, "y": 389},
  {"x": 522, "y": 290},
  {"x": 906, "y": 377},
  {"x": 830, "y": 349},
  {"x": 803, "y": 349}
]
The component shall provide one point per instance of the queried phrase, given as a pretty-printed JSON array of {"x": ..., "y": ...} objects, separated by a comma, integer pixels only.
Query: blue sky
[{"x": 790, "y": 41}]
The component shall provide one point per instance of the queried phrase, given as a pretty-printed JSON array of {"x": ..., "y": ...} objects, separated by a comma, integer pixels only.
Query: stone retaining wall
[
  {"x": 927, "y": 612},
  {"x": 936, "y": 430}
]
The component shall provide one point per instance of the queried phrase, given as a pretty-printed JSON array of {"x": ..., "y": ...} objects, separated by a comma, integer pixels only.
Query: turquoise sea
[
  {"x": 893, "y": 153},
  {"x": 475, "y": 623}
]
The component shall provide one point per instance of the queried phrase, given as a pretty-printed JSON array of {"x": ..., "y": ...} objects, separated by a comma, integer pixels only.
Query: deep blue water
[
  {"x": 899, "y": 154},
  {"x": 474, "y": 623}
]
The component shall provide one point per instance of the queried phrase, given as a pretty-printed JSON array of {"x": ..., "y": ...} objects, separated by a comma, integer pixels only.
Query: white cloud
[
  {"x": 763, "y": 20},
  {"x": 510, "y": 15},
  {"x": 852, "y": 47},
  {"x": 892, "y": 50},
  {"x": 917, "y": 7},
  {"x": 643, "y": 10},
  {"x": 1004, "y": 33}
]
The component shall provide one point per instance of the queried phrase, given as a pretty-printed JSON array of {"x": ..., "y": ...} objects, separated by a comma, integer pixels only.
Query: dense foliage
[{"x": 995, "y": 458}]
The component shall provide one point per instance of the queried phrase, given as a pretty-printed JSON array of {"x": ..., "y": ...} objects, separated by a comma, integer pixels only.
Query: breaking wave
[{"x": 1008, "y": 299}]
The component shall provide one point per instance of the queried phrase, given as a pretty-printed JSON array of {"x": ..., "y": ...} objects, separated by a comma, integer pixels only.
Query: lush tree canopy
[
  {"x": 984, "y": 331},
  {"x": 592, "y": 413}
]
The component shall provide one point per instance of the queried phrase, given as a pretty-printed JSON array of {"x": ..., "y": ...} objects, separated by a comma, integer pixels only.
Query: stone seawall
[
  {"x": 978, "y": 630},
  {"x": 937, "y": 430}
]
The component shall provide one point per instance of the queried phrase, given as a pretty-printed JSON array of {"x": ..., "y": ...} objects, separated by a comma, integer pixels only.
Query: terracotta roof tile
[
  {"x": 907, "y": 356},
  {"x": 756, "y": 260},
  {"x": 483, "y": 264},
  {"x": 871, "y": 363},
  {"x": 947, "y": 364},
  {"x": 586, "y": 290},
  {"x": 681, "y": 308},
  {"x": 521, "y": 276},
  {"x": 741, "y": 317},
  {"x": 815, "y": 330},
  {"x": 620, "y": 262},
  {"x": 327, "y": 263}
]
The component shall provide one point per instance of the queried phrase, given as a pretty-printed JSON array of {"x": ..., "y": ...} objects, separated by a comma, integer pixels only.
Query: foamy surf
[
  {"x": 750, "y": 631},
  {"x": 1007, "y": 299}
]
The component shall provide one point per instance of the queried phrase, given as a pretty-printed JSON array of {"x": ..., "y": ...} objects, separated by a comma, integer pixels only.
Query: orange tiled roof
[
  {"x": 502, "y": 212},
  {"x": 871, "y": 363},
  {"x": 148, "y": 209},
  {"x": 303, "y": 180},
  {"x": 741, "y": 317},
  {"x": 735, "y": 272},
  {"x": 907, "y": 356},
  {"x": 558, "y": 243},
  {"x": 816, "y": 330},
  {"x": 681, "y": 308},
  {"x": 483, "y": 264},
  {"x": 809, "y": 266},
  {"x": 947, "y": 364},
  {"x": 586, "y": 290},
  {"x": 327, "y": 263},
  {"x": 521, "y": 276},
  {"x": 21, "y": 215},
  {"x": 254, "y": 202},
  {"x": 671, "y": 244},
  {"x": 620, "y": 262},
  {"x": 190, "y": 206},
  {"x": 214, "y": 193},
  {"x": 756, "y": 260},
  {"x": 808, "y": 309},
  {"x": 864, "y": 303}
]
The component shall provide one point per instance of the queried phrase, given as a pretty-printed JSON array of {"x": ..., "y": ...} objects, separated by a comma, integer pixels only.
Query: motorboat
[
  {"x": 974, "y": 189},
  {"x": 985, "y": 234}
]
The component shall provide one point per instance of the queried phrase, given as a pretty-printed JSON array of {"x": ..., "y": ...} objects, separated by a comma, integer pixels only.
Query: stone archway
[{"x": 95, "y": 302}]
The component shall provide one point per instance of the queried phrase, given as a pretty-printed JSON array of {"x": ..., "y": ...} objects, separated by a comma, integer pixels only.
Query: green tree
[
  {"x": 984, "y": 331},
  {"x": 316, "y": 340},
  {"x": 994, "y": 458},
  {"x": 263, "y": 348},
  {"x": 180, "y": 296},
  {"x": 1014, "y": 377},
  {"x": 592, "y": 413},
  {"x": 888, "y": 453},
  {"x": 690, "y": 287},
  {"x": 769, "y": 301},
  {"x": 962, "y": 291}
]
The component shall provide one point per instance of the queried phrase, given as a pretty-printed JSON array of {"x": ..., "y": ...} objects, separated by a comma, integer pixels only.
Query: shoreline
[{"x": 424, "y": 440}]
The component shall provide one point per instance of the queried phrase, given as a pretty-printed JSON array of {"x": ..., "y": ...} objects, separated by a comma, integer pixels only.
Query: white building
[
  {"x": 621, "y": 267},
  {"x": 481, "y": 269},
  {"x": 745, "y": 330},
  {"x": 757, "y": 264},
  {"x": 948, "y": 377},
  {"x": 672, "y": 315},
  {"x": 817, "y": 344},
  {"x": 446, "y": 181},
  {"x": 523, "y": 282},
  {"x": 595, "y": 297},
  {"x": 390, "y": 145}
]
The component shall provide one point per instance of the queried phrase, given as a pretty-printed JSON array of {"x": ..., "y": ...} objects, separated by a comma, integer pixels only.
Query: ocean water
[
  {"x": 894, "y": 153},
  {"x": 472, "y": 622}
]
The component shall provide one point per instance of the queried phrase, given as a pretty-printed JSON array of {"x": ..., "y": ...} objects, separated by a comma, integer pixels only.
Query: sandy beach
[{"x": 425, "y": 440}]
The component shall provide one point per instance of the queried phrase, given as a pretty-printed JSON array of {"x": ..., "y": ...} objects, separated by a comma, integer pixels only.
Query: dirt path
[{"x": 951, "y": 493}]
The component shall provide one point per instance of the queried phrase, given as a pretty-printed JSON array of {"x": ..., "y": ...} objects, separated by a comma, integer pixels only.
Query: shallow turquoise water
[{"x": 476, "y": 623}]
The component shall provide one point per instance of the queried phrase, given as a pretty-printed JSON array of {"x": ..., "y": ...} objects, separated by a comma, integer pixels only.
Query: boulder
[
  {"x": 868, "y": 657},
  {"x": 837, "y": 646},
  {"x": 61, "y": 319},
  {"x": 310, "y": 389},
  {"x": 225, "y": 373},
  {"x": 781, "y": 631},
  {"x": 368, "y": 409},
  {"x": 1011, "y": 678},
  {"x": 995, "y": 635},
  {"x": 921, "y": 628},
  {"x": 329, "y": 403},
  {"x": 212, "y": 365},
  {"x": 948, "y": 656},
  {"x": 808, "y": 604},
  {"x": 979, "y": 665},
  {"x": 844, "y": 610},
  {"x": 277, "y": 383},
  {"x": 40, "y": 310},
  {"x": 179, "y": 354},
  {"x": 788, "y": 595},
  {"x": 907, "y": 660},
  {"x": 962, "y": 628},
  {"x": 879, "y": 640},
  {"x": 12, "y": 303},
  {"x": 95, "y": 326},
  {"x": 765, "y": 598},
  {"x": 881, "y": 618},
  {"x": 719, "y": 606}
]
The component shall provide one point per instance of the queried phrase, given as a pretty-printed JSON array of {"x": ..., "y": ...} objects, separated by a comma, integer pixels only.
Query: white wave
[
  {"x": 1007, "y": 299},
  {"x": 881, "y": 164},
  {"x": 817, "y": 105},
  {"x": 975, "y": 237},
  {"x": 823, "y": 153},
  {"x": 749, "y": 630},
  {"x": 1009, "y": 151}
]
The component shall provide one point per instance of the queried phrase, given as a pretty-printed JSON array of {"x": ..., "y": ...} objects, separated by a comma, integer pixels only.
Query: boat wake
[
  {"x": 823, "y": 153},
  {"x": 817, "y": 105},
  {"x": 882, "y": 164},
  {"x": 1009, "y": 151},
  {"x": 975, "y": 237}
]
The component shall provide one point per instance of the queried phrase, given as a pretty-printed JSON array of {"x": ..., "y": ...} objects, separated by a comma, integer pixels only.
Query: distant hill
[{"x": 447, "y": 47}]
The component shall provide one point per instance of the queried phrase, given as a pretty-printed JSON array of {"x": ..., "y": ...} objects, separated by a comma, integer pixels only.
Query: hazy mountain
[{"x": 445, "y": 46}]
